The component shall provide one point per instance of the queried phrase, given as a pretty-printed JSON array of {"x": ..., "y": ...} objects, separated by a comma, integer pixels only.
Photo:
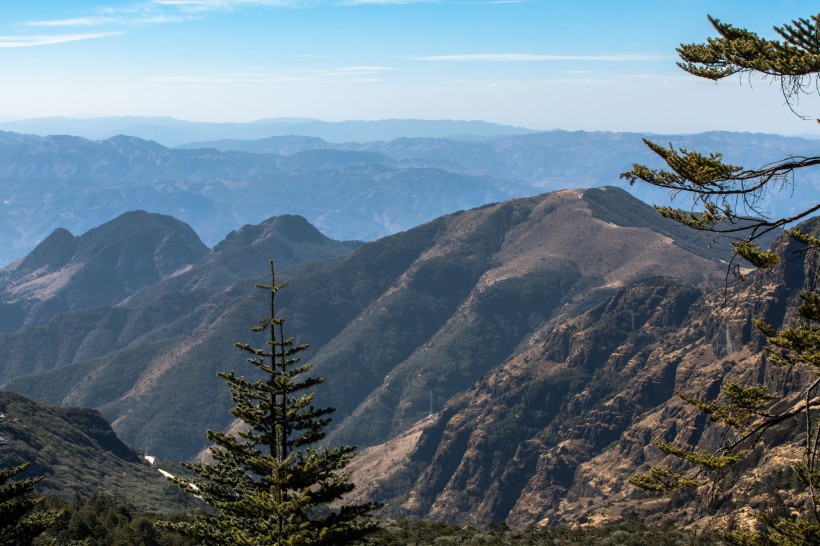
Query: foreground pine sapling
[{"x": 271, "y": 484}]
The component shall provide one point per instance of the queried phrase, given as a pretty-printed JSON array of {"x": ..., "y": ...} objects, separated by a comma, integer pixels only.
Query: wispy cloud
[
  {"x": 123, "y": 20},
  {"x": 33, "y": 41},
  {"x": 485, "y": 2},
  {"x": 74, "y": 22},
  {"x": 223, "y": 5},
  {"x": 348, "y": 70},
  {"x": 336, "y": 75},
  {"x": 386, "y": 2},
  {"x": 399, "y": 2},
  {"x": 228, "y": 79},
  {"x": 146, "y": 12},
  {"x": 529, "y": 57},
  {"x": 152, "y": 12}
]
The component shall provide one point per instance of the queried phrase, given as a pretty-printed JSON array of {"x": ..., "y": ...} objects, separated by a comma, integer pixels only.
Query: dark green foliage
[
  {"x": 794, "y": 60},
  {"x": 628, "y": 533},
  {"x": 741, "y": 404},
  {"x": 102, "y": 520},
  {"x": 661, "y": 479},
  {"x": 729, "y": 193},
  {"x": 270, "y": 483},
  {"x": 20, "y": 523}
]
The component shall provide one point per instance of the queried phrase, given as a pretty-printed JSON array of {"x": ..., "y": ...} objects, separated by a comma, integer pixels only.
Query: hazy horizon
[{"x": 542, "y": 65}]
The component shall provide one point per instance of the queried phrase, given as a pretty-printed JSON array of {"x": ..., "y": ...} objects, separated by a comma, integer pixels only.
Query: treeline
[{"x": 105, "y": 520}]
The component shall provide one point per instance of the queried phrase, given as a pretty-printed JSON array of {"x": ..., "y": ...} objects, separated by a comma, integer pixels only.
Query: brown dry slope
[
  {"x": 493, "y": 276},
  {"x": 554, "y": 433}
]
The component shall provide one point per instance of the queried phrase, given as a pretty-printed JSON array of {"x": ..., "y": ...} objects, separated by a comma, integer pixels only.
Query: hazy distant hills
[
  {"x": 362, "y": 190},
  {"x": 173, "y": 132},
  {"x": 70, "y": 182},
  {"x": 431, "y": 309}
]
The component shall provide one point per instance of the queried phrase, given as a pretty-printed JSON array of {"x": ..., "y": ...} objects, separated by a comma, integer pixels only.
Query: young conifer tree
[{"x": 271, "y": 484}]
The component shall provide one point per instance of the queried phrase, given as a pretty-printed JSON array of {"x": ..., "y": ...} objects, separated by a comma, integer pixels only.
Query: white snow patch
[
  {"x": 150, "y": 459},
  {"x": 170, "y": 476}
]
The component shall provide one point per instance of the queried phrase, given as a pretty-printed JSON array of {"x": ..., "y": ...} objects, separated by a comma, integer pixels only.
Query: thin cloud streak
[
  {"x": 158, "y": 12},
  {"x": 529, "y": 57},
  {"x": 107, "y": 21},
  {"x": 34, "y": 41},
  {"x": 386, "y": 2},
  {"x": 228, "y": 79},
  {"x": 75, "y": 22},
  {"x": 224, "y": 5},
  {"x": 348, "y": 69},
  {"x": 178, "y": 11},
  {"x": 345, "y": 74}
]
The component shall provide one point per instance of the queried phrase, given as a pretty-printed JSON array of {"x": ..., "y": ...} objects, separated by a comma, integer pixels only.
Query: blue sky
[{"x": 544, "y": 64}]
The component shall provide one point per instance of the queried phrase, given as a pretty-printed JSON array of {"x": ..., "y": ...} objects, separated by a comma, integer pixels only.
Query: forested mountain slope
[
  {"x": 77, "y": 453},
  {"x": 432, "y": 309}
]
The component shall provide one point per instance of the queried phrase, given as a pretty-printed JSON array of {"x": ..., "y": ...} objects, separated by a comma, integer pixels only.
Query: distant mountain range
[
  {"x": 173, "y": 132},
  {"x": 350, "y": 191}
]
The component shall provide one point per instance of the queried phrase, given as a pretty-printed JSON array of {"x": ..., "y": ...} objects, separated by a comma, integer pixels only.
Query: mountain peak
[
  {"x": 295, "y": 228},
  {"x": 101, "y": 267},
  {"x": 288, "y": 238},
  {"x": 53, "y": 253},
  {"x": 288, "y": 226}
]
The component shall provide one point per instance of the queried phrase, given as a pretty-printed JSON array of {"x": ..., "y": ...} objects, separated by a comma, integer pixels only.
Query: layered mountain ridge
[
  {"x": 100, "y": 268},
  {"x": 432, "y": 309},
  {"x": 509, "y": 363},
  {"x": 362, "y": 189}
]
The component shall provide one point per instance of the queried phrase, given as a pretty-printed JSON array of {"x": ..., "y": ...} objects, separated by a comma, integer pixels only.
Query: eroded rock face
[
  {"x": 526, "y": 427},
  {"x": 554, "y": 433}
]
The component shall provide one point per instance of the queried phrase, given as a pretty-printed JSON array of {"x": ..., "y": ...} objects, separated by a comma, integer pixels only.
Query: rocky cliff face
[{"x": 553, "y": 433}]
